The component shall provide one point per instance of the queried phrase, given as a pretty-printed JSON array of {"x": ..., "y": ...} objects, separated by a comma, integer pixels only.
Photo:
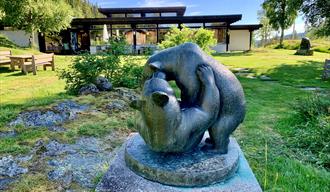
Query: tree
[
  {"x": 281, "y": 14},
  {"x": 265, "y": 31},
  {"x": 37, "y": 15},
  {"x": 202, "y": 37},
  {"x": 317, "y": 13}
]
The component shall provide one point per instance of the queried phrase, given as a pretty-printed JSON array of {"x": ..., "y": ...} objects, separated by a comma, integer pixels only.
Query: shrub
[
  {"x": 121, "y": 69},
  {"x": 129, "y": 74},
  {"x": 84, "y": 70},
  {"x": 202, "y": 37},
  {"x": 311, "y": 128}
]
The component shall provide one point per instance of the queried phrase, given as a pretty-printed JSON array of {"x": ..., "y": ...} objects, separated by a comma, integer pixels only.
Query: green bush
[
  {"x": 202, "y": 37},
  {"x": 120, "y": 69},
  {"x": 311, "y": 128},
  {"x": 129, "y": 74},
  {"x": 85, "y": 69}
]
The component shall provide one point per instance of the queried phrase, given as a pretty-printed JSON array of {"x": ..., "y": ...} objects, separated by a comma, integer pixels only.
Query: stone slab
[
  {"x": 198, "y": 167},
  {"x": 119, "y": 178}
]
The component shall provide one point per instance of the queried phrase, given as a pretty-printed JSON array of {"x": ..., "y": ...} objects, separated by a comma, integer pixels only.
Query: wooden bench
[
  {"x": 39, "y": 60},
  {"x": 4, "y": 57}
]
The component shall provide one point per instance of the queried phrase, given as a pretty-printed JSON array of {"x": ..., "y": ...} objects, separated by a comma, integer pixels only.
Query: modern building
[{"x": 143, "y": 28}]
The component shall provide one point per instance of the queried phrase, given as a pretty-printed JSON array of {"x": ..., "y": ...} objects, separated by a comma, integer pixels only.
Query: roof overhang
[
  {"x": 246, "y": 27},
  {"x": 229, "y": 19},
  {"x": 180, "y": 10}
]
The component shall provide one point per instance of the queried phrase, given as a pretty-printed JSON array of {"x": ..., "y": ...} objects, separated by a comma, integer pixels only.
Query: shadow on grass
[
  {"x": 12, "y": 73},
  {"x": 9, "y": 111},
  {"x": 304, "y": 73},
  {"x": 5, "y": 69}
]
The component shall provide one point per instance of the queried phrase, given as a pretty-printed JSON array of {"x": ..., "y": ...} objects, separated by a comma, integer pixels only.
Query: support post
[
  {"x": 134, "y": 38},
  {"x": 250, "y": 45},
  {"x": 157, "y": 33},
  {"x": 227, "y": 37}
]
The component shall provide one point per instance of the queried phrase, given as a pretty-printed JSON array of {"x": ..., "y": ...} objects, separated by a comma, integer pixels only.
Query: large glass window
[
  {"x": 220, "y": 35},
  {"x": 123, "y": 26},
  {"x": 162, "y": 33},
  {"x": 167, "y": 25},
  {"x": 194, "y": 25},
  {"x": 143, "y": 26},
  {"x": 96, "y": 37},
  {"x": 216, "y": 24},
  {"x": 117, "y": 15},
  {"x": 152, "y": 14},
  {"x": 133, "y": 15},
  {"x": 151, "y": 36},
  {"x": 169, "y": 14}
]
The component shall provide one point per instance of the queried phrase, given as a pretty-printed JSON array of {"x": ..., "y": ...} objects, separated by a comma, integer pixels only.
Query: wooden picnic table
[{"x": 19, "y": 60}]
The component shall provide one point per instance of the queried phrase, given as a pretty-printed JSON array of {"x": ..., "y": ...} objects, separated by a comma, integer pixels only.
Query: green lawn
[{"x": 275, "y": 163}]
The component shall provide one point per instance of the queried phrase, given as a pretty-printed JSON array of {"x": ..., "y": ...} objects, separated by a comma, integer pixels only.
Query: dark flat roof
[
  {"x": 158, "y": 20},
  {"x": 251, "y": 27},
  {"x": 180, "y": 10}
]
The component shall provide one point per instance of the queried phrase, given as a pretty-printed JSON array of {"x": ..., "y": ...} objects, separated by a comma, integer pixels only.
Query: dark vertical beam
[
  {"x": 227, "y": 37},
  {"x": 204, "y": 25},
  {"x": 250, "y": 45},
  {"x": 157, "y": 33},
  {"x": 134, "y": 37},
  {"x": 88, "y": 42},
  {"x": 110, "y": 30},
  {"x": 180, "y": 26},
  {"x": 42, "y": 42}
]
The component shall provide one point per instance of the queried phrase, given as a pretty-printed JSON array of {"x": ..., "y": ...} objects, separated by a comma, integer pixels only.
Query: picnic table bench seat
[
  {"x": 44, "y": 60},
  {"x": 4, "y": 57}
]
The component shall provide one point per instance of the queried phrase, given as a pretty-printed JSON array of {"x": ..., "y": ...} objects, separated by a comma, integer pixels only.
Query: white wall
[
  {"x": 239, "y": 40},
  {"x": 20, "y": 38}
]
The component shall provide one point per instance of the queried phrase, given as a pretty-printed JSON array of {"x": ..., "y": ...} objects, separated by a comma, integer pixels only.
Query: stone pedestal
[{"x": 198, "y": 171}]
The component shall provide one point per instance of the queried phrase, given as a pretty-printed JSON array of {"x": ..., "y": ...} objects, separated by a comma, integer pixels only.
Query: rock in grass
[
  {"x": 11, "y": 133},
  {"x": 56, "y": 129},
  {"x": 4, "y": 182},
  {"x": 116, "y": 105},
  {"x": 62, "y": 175},
  {"x": 103, "y": 84},
  {"x": 88, "y": 89},
  {"x": 80, "y": 162},
  {"x": 58, "y": 114},
  {"x": 10, "y": 168},
  {"x": 265, "y": 78}
]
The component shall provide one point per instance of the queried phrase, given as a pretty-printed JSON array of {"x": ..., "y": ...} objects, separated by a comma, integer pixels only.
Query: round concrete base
[{"x": 196, "y": 168}]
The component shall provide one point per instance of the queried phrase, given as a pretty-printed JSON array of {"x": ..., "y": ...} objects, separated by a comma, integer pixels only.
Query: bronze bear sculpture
[
  {"x": 180, "y": 63},
  {"x": 164, "y": 125}
]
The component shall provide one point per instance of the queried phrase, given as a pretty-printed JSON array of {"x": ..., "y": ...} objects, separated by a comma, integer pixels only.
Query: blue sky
[{"x": 248, "y": 8}]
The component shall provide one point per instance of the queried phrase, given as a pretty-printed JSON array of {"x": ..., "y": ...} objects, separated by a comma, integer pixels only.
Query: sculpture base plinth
[{"x": 229, "y": 172}]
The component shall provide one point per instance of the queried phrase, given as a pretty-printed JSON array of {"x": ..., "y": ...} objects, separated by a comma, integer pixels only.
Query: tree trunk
[
  {"x": 282, "y": 37},
  {"x": 32, "y": 40}
]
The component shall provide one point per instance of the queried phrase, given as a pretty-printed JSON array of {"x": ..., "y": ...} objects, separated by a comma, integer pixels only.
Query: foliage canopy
[
  {"x": 202, "y": 37},
  {"x": 281, "y": 14}
]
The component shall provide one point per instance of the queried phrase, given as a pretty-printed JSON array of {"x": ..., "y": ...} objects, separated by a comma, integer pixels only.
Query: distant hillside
[
  {"x": 84, "y": 9},
  {"x": 297, "y": 36}
]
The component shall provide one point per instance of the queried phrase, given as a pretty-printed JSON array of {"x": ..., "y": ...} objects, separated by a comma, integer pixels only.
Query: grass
[{"x": 274, "y": 161}]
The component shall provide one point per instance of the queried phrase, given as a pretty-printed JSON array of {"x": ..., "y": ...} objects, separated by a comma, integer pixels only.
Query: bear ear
[
  {"x": 160, "y": 98},
  {"x": 137, "y": 104},
  {"x": 155, "y": 65}
]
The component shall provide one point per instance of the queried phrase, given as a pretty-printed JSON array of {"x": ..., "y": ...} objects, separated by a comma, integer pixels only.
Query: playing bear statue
[{"x": 211, "y": 99}]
